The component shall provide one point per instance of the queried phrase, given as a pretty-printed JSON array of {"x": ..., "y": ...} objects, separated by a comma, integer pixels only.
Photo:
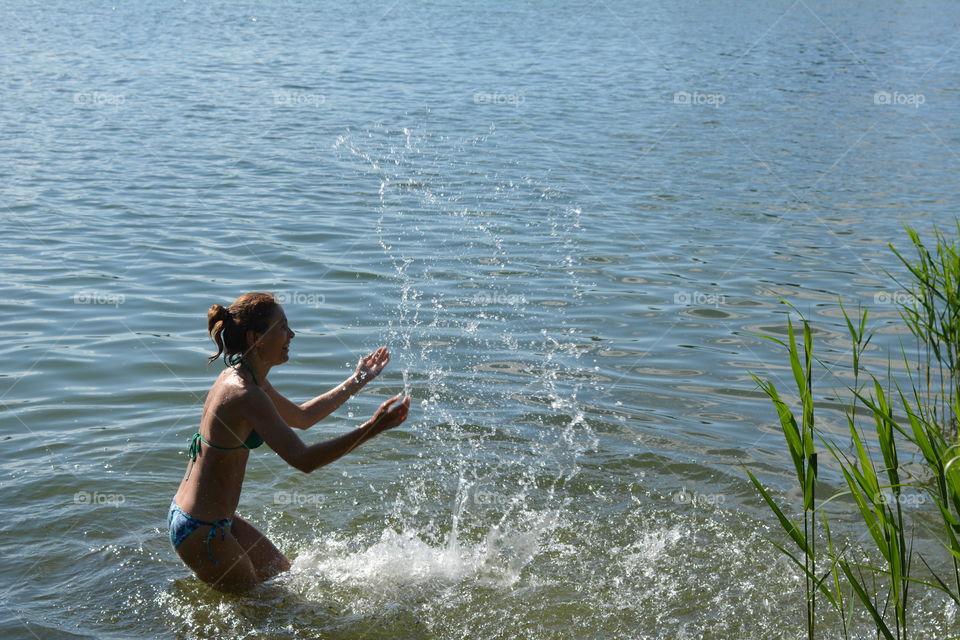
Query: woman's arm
[
  {"x": 309, "y": 413},
  {"x": 304, "y": 416},
  {"x": 281, "y": 438}
]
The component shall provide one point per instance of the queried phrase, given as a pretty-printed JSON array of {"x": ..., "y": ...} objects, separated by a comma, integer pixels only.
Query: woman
[{"x": 241, "y": 412}]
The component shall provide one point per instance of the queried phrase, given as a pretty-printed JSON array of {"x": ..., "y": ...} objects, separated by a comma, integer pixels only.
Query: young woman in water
[{"x": 241, "y": 412}]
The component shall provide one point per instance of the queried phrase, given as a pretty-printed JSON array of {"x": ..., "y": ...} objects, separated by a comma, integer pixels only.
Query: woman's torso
[{"x": 210, "y": 489}]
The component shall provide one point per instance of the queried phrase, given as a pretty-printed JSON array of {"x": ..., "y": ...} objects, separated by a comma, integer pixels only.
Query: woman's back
[{"x": 213, "y": 482}]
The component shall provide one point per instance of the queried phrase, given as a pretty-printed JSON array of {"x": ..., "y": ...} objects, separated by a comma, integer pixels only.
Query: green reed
[
  {"x": 932, "y": 313},
  {"x": 800, "y": 443},
  {"x": 922, "y": 426}
]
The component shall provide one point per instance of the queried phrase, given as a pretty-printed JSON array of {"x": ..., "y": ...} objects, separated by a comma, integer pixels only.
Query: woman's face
[{"x": 273, "y": 347}]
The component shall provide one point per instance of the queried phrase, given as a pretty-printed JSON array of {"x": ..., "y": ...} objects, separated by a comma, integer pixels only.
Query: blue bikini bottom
[{"x": 182, "y": 524}]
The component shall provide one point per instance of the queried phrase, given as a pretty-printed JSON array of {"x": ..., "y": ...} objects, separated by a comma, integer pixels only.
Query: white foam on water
[
  {"x": 644, "y": 557},
  {"x": 401, "y": 563}
]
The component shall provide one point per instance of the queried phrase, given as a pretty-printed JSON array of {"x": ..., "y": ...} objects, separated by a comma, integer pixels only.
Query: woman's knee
[
  {"x": 267, "y": 560},
  {"x": 272, "y": 568},
  {"x": 232, "y": 574}
]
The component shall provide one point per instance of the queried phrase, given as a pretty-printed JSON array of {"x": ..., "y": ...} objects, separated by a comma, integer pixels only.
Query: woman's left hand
[{"x": 370, "y": 366}]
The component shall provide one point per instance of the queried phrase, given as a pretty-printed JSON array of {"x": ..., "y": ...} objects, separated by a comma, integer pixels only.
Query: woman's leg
[
  {"x": 232, "y": 572},
  {"x": 266, "y": 559}
]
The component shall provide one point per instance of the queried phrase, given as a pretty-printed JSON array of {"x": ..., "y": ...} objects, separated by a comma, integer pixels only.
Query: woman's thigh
[
  {"x": 229, "y": 569},
  {"x": 267, "y": 560}
]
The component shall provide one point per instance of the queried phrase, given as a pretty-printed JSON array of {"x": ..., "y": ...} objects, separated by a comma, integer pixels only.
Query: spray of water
[{"x": 486, "y": 271}]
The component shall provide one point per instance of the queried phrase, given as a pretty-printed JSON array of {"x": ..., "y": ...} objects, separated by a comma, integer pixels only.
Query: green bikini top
[{"x": 253, "y": 440}]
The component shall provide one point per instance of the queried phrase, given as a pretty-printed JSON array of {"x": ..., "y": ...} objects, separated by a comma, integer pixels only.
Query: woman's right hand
[{"x": 389, "y": 415}]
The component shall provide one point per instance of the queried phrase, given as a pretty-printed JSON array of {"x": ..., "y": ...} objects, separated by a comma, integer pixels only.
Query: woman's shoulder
[
  {"x": 232, "y": 401},
  {"x": 230, "y": 389}
]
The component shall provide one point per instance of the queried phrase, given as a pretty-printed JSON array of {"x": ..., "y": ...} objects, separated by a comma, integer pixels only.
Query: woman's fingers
[
  {"x": 390, "y": 415},
  {"x": 374, "y": 363},
  {"x": 403, "y": 409},
  {"x": 387, "y": 404}
]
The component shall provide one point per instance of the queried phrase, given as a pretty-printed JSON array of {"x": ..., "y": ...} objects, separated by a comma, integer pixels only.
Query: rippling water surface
[{"x": 568, "y": 221}]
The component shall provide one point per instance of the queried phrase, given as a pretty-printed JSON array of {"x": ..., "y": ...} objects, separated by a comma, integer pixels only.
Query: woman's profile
[{"x": 242, "y": 411}]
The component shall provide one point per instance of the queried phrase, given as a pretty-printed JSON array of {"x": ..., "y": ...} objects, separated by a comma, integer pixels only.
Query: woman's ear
[{"x": 252, "y": 338}]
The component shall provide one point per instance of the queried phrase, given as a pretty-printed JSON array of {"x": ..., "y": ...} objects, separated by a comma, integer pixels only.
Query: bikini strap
[
  {"x": 194, "y": 449},
  {"x": 236, "y": 359},
  {"x": 222, "y": 526}
]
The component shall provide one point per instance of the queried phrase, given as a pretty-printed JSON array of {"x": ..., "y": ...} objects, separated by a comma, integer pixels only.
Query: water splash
[
  {"x": 403, "y": 561},
  {"x": 484, "y": 344}
]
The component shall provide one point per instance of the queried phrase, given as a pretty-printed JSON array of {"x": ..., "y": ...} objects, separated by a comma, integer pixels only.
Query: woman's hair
[{"x": 228, "y": 326}]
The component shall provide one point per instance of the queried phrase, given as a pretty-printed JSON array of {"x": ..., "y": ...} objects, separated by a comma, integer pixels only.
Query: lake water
[{"x": 567, "y": 220}]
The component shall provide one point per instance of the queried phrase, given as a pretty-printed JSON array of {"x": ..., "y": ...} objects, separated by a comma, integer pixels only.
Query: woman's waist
[{"x": 205, "y": 507}]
